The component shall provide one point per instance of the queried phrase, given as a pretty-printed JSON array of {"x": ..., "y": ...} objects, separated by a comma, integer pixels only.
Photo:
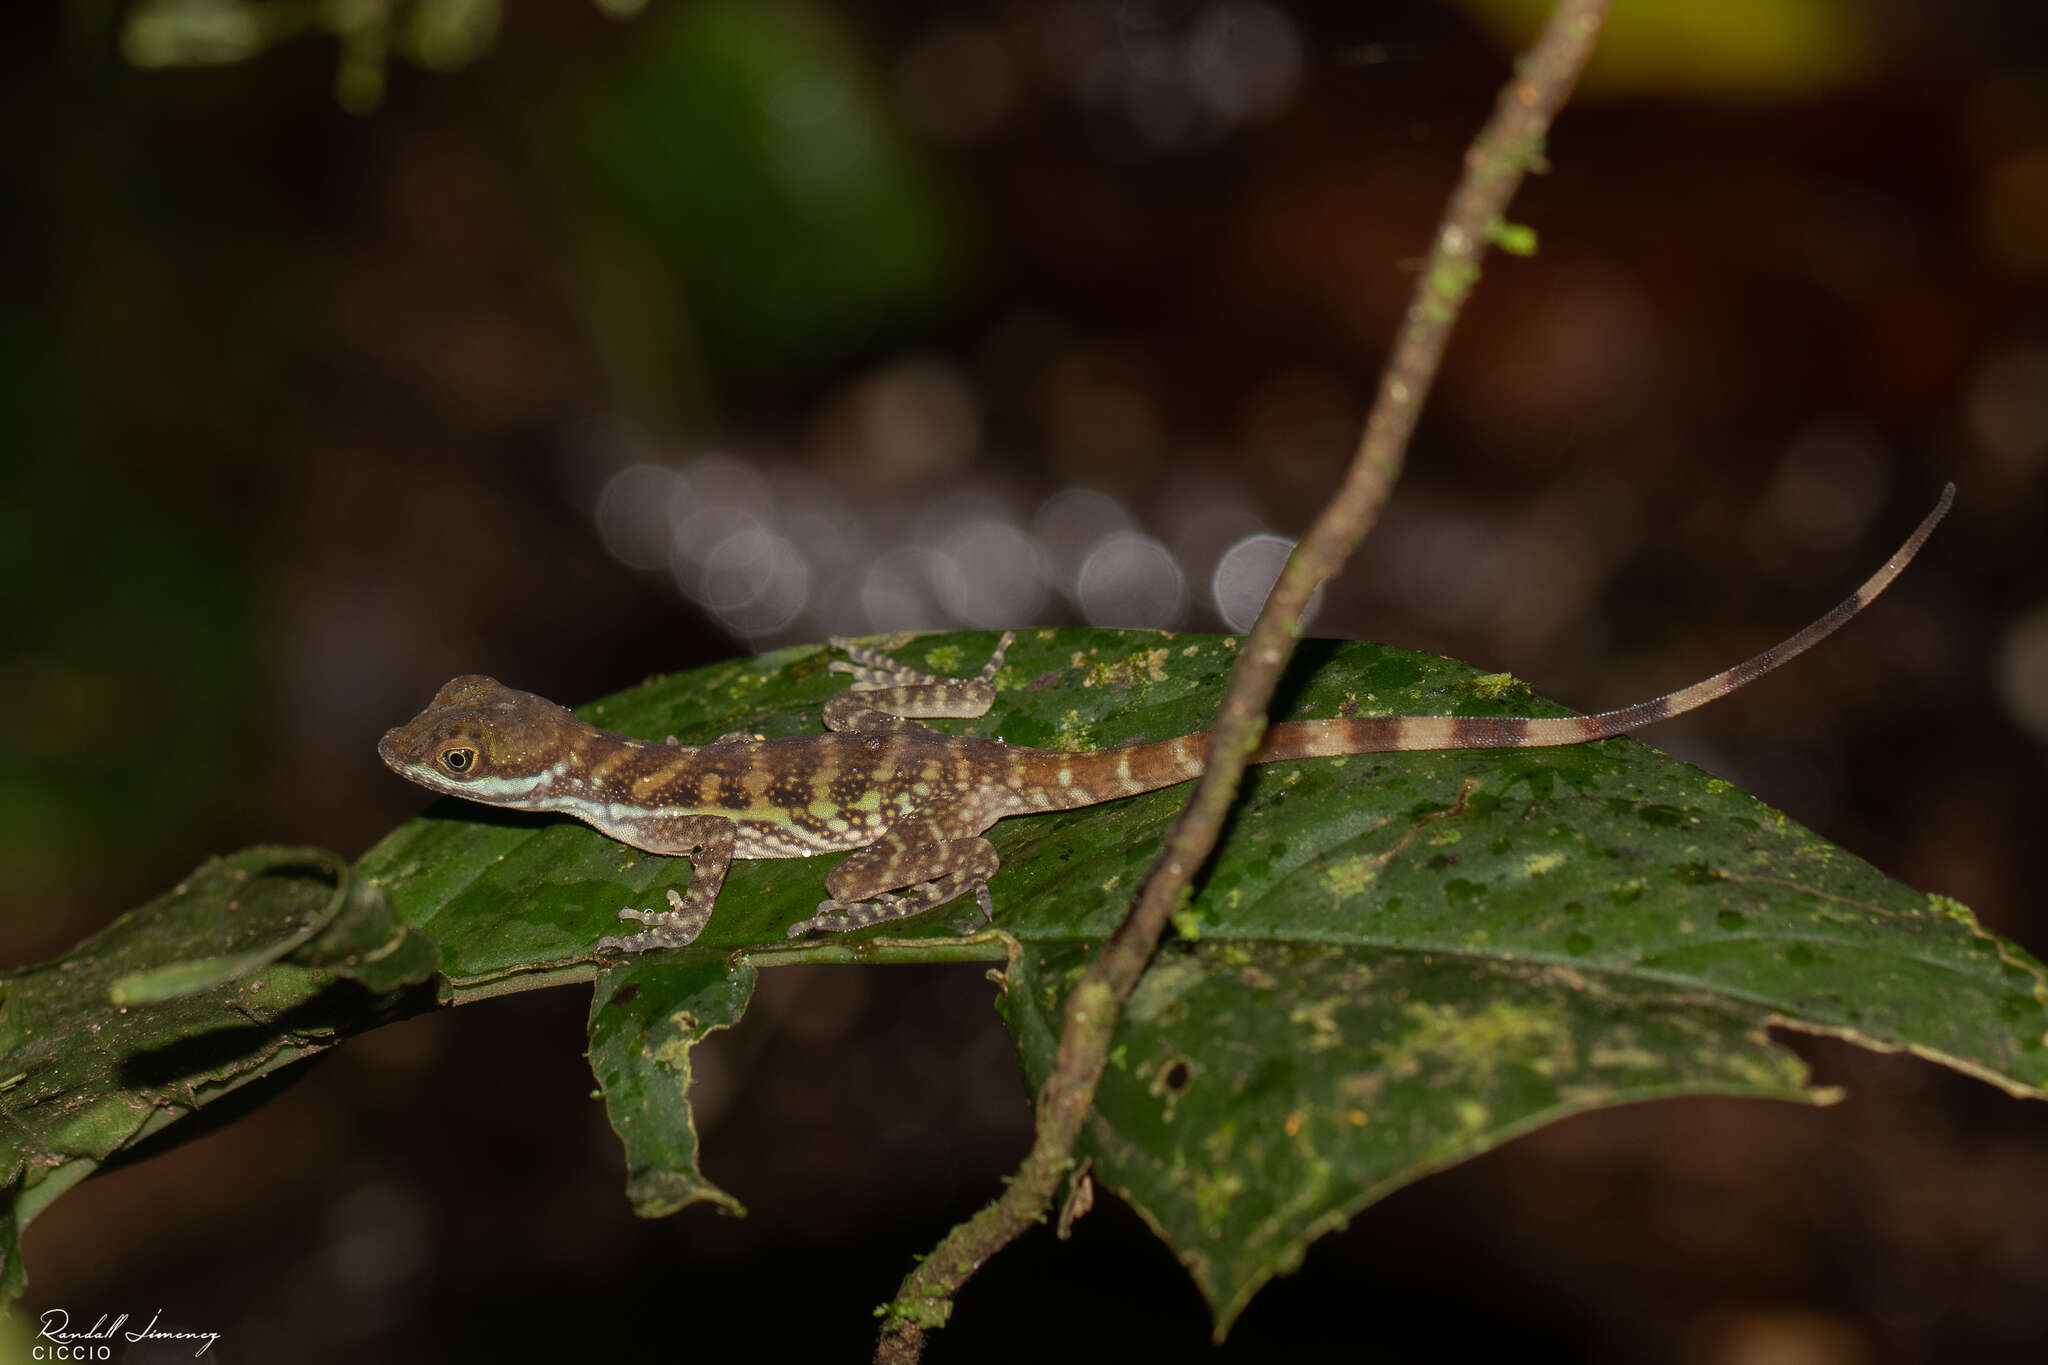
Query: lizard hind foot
[
  {"x": 873, "y": 670},
  {"x": 995, "y": 660},
  {"x": 843, "y": 917}
]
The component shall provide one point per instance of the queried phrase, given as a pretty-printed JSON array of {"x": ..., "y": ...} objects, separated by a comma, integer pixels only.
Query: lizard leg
[
  {"x": 930, "y": 874},
  {"x": 885, "y": 696},
  {"x": 873, "y": 669},
  {"x": 707, "y": 840}
]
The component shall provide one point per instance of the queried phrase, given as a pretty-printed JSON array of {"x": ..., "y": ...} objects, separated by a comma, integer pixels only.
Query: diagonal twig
[{"x": 1505, "y": 150}]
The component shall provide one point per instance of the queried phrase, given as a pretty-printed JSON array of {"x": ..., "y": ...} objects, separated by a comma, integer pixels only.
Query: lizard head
[{"x": 482, "y": 740}]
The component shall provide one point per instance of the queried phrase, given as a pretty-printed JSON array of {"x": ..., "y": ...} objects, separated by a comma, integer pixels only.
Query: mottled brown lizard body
[{"x": 909, "y": 801}]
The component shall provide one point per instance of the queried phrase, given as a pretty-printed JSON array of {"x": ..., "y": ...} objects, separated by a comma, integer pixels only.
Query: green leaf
[
  {"x": 254, "y": 962},
  {"x": 1265, "y": 1092},
  {"x": 354, "y": 930},
  {"x": 1394, "y": 962},
  {"x": 1403, "y": 959},
  {"x": 645, "y": 1018}
]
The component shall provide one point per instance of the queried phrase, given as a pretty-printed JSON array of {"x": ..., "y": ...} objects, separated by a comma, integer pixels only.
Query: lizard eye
[{"x": 458, "y": 759}]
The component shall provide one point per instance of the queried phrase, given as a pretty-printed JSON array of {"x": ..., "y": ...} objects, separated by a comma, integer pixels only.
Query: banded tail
[{"x": 1108, "y": 774}]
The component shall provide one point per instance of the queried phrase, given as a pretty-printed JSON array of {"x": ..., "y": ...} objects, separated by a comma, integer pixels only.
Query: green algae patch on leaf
[
  {"x": 252, "y": 963},
  {"x": 646, "y": 1017}
]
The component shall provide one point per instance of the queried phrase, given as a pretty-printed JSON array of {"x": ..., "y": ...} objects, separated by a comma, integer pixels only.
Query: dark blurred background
[{"x": 575, "y": 346}]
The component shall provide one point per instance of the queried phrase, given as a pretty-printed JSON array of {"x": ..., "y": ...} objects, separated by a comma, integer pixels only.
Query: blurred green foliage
[
  {"x": 741, "y": 201},
  {"x": 127, "y": 661},
  {"x": 134, "y": 762},
  {"x": 747, "y": 183},
  {"x": 439, "y": 34}
]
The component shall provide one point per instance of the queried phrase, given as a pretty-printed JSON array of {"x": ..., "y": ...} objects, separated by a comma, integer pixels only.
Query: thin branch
[{"x": 1509, "y": 146}]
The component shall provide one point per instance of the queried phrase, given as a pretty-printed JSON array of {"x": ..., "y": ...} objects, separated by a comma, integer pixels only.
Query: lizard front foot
[{"x": 676, "y": 927}]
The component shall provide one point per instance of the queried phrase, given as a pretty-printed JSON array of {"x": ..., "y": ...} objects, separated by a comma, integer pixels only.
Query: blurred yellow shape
[{"x": 1745, "y": 49}]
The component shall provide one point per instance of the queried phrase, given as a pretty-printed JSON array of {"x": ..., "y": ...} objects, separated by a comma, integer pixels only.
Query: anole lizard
[{"x": 912, "y": 800}]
